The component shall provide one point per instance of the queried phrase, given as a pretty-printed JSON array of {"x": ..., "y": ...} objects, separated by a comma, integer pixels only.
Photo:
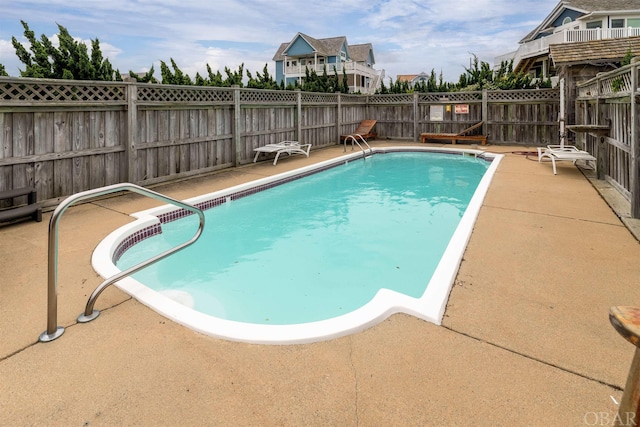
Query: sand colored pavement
[{"x": 525, "y": 339}]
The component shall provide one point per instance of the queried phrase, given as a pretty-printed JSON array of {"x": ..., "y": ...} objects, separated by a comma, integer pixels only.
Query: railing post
[{"x": 53, "y": 331}]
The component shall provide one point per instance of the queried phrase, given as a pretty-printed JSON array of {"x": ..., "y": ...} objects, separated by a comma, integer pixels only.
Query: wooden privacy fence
[
  {"x": 611, "y": 99},
  {"x": 66, "y": 136}
]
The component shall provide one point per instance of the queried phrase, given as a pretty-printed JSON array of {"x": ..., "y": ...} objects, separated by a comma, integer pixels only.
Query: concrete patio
[{"x": 525, "y": 339}]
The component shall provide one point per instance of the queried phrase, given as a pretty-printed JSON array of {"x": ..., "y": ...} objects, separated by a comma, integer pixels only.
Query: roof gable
[
  {"x": 300, "y": 46},
  {"x": 362, "y": 53},
  {"x": 303, "y": 44}
]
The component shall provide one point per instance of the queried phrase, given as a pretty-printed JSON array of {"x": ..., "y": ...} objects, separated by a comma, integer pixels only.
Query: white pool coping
[{"x": 430, "y": 306}]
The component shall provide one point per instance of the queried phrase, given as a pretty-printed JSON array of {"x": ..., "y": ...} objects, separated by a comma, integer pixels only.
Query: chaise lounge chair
[
  {"x": 460, "y": 136},
  {"x": 288, "y": 147},
  {"x": 364, "y": 131},
  {"x": 563, "y": 152}
]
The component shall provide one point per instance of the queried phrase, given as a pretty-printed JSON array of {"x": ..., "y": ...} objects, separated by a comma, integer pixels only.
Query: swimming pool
[{"x": 317, "y": 258}]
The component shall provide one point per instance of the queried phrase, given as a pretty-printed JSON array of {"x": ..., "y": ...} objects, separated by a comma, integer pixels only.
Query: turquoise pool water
[{"x": 320, "y": 246}]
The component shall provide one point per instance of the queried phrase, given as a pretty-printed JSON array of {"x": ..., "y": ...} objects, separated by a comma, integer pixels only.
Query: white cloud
[{"x": 408, "y": 36}]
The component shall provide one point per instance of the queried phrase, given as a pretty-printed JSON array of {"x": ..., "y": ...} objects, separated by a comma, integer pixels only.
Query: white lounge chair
[
  {"x": 563, "y": 152},
  {"x": 288, "y": 147}
]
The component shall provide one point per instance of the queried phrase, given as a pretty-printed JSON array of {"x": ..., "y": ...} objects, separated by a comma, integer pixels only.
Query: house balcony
[
  {"x": 366, "y": 78},
  {"x": 350, "y": 67},
  {"x": 540, "y": 46}
]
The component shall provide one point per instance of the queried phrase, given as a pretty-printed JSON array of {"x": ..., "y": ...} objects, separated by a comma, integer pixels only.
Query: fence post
[
  {"x": 485, "y": 111},
  {"x": 416, "y": 129},
  {"x": 132, "y": 132},
  {"x": 299, "y": 115},
  {"x": 635, "y": 146},
  {"x": 237, "y": 130},
  {"x": 339, "y": 117}
]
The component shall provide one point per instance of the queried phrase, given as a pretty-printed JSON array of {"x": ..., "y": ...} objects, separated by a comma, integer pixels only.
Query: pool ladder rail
[
  {"x": 354, "y": 139},
  {"x": 53, "y": 330}
]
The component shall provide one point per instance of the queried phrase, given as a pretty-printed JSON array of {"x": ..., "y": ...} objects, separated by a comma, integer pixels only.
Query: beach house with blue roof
[{"x": 335, "y": 55}]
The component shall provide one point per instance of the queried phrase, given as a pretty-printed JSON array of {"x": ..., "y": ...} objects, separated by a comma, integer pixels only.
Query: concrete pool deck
[{"x": 525, "y": 339}]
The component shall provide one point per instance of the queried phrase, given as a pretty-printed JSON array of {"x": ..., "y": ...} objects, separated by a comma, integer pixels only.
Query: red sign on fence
[{"x": 462, "y": 108}]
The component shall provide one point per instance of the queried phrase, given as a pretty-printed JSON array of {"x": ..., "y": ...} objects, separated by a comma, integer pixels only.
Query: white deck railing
[
  {"x": 541, "y": 45},
  {"x": 350, "y": 67}
]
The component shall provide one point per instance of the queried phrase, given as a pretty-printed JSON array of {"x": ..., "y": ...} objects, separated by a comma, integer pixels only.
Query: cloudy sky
[{"x": 408, "y": 37}]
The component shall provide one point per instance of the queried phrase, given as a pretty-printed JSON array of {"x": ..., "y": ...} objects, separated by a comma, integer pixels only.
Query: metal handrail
[
  {"x": 53, "y": 330},
  {"x": 353, "y": 139}
]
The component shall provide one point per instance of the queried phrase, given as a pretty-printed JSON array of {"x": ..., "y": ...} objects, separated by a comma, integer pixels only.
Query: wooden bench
[
  {"x": 32, "y": 208},
  {"x": 460, "y": 136}
]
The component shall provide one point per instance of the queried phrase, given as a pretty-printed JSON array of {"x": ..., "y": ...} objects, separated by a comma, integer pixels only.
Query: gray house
[
  {"x": 594, "y": 32},
  {"x": 577, "y": 40}
]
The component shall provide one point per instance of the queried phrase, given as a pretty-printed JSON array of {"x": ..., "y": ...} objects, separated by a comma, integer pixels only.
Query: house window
[
  {"x": 566, "y": 20},
  {"x": 633, "y": 22},
  {"x": 617, "y": 23},
  {"x": 594, "y": 24}
]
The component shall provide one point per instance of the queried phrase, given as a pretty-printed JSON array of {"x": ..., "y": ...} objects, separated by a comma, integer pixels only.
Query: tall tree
[
  {"x": 234, "y": 77},
  {"x": 146, "y": 78},
  {"x": 175, "y": 77},
  {"x": 70, "y": 60}
]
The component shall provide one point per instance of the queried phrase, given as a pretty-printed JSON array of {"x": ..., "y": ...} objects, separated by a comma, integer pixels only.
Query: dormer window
[{"x": 566, "y": 20}]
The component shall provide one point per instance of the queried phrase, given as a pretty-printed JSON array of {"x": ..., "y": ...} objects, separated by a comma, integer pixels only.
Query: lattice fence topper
[
  {"x": 393, "y": 98},
  {"x": 184, "y": 94},
  {"x": 614, "y": 84},
  {"x": 261, "y": 96},
  {"x": 27, "y": 90},
  {"x": 611, "y": 84},
  {"x": 524, "y": 95},
  {"x": 440, "y": 97},
  {"x": 353, "y": 99},
  {"x": 319, "y": 98}
]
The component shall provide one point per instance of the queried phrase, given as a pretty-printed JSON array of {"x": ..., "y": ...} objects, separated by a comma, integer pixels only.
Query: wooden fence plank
[{"x": 43, "y": 137}]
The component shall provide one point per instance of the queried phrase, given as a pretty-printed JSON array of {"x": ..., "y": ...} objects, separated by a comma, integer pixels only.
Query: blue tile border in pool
[{"x": 134, "y": 238}]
